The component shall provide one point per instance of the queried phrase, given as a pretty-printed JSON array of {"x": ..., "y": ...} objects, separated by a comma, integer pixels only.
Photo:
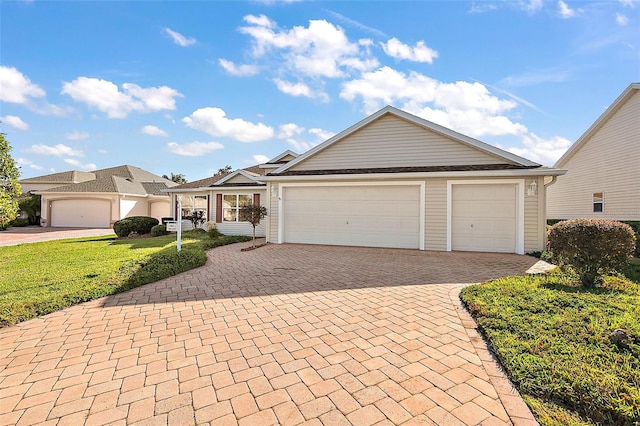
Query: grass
[
  {"x": 44, "y": 277},
  {"x": 552, "y": 338}
]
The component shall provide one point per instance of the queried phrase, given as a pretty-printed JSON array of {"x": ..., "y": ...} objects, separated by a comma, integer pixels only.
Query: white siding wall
[
  {"x": 394, "y": 142},
  {"x": 436, "y": 215},
  {"x": 273, "y": 214},
  {"x": 608, "y": 162},
  {"x": 239, "y": 179}
]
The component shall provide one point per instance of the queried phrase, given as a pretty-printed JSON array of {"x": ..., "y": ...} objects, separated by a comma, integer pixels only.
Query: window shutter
[
  {"x": 218, "y": 208},
  {"x": 175, "y": 216},
  {"x": 256, "y": 199},
  {"x": 208, "y": 208}
]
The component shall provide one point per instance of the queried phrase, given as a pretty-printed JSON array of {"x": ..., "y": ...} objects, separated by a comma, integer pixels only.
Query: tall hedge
[
  {"x": 138, "y": 224},
  {"x": 592, "y": 246}
]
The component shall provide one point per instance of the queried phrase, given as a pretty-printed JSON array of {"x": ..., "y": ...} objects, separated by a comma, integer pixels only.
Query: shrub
[
  {"x": 635, "y": 225},
  {"x": 137, "y": 224},
  {"x": 158, "y": 230},
  {"x": 20, "y": 222},
  {"x": 212, "y": 229},
  {"x": 592, "y": 247}
]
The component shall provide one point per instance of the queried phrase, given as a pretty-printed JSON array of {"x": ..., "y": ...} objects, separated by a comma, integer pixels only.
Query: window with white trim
[
  {"x": 231, "y": 205},
  {"x": 598, "y": 202},
  {"x": 194, "y": 203}
]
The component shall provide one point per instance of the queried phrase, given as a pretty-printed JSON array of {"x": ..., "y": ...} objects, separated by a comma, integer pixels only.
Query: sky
[{"x": 189, "y": 87}]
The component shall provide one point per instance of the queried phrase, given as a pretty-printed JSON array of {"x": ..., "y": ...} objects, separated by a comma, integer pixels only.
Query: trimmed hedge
[
  {"x": 138, "y": 224},
  {"x": 159, "y": 230},
  {"x": 592, "y": 246},
  {"x": 634, "y": 224}
]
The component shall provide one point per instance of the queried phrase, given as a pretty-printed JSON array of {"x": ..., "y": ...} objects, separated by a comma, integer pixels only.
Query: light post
[{"x": 179, "y": 227}]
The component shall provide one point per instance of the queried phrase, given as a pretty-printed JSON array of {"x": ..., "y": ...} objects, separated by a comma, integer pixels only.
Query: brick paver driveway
[{"x": 279, "y": 335}]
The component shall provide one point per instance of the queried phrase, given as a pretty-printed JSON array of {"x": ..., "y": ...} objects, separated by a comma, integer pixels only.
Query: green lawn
[
  {"x": 552, "y": 339},
  {"x": 43, "y": 277}
]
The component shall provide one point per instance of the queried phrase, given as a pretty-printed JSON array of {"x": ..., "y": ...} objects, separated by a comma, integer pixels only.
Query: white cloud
[
  {"x": 628, "y": 3},
  {"x": 540, "y": 150},
  {"x": 532, "y": 6},
  {"x": 272, "y": 2},
  {"x": 244, "y": 70},
  {"x": 193, "y": 149},
  {"x": 260, "y": 159},
  {"x": 58, "y": 150},
  {"x": 292, "y": 133},
  {"x": 289, "y": 130},
  {"x": 77, "y": 163},
  {"x": 28, "y": 163},
  {"x": 16, "y": 87},
  {"x": 357, "y": 24},
  {"x": 214, "y": 122},
  {"x": 319, "y": 50},
  {"x": 153, "y": 131},
  {"x": 15, "y": 122},
  {"x": 107, "y": 97},
  {"x": 322, "y": 135},
  {"x": 539, "y": 76},
  {"x": 466, "y": 107},
  {"x": 621, "y": 19},
  {"x": 179, "y": 39},
  {"x": 419, "y": 53},
  {"x": 299, "y": 89},
  {"x": 103, "y": 151},
  {"x": 76, "y": 136},
  {"x": 565, "y": 11}
]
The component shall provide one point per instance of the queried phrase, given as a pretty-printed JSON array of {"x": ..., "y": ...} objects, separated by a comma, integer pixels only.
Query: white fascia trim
[
  {"x": 419, "y": 183},
  {"x": 238, "y": 188},
  {"x": 75, "y": 194},
  {"x": 236, "y": 173},
  {"x": 420, "y": 175},
  {"x": 280, "y": 157},
  {"x": 178, "y": 191},
  {"x": 519, "y": 212}
]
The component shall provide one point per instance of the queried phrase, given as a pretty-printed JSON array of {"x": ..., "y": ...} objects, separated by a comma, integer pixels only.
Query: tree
[
  {"x": 30, "y": 204},
  {"x": 176, "y": 177},
  {"x": 9, "y": 187},
  {"x": 223, "y": 170},
  {"x": 253, "y": 213}
]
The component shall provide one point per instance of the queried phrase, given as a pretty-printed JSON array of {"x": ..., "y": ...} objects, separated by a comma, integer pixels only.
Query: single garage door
[
  {"x": 81, "y": 213},
  {"x": 369, "y": 216},
  {"x": 484, "y": 217}
]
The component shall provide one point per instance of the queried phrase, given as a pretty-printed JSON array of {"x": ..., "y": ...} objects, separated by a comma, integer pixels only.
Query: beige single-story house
[
  {"x": 397, "y": 180},
  {"x": 603, "y": 166},
  {"x": 220, "y": 197},
  {"x": 99, "y": 198}
]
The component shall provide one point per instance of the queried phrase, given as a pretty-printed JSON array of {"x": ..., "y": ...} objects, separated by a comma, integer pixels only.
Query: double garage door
[
  {"x": 368, "y": 216},
  {"x": 81, "y": 213},
  {"x": 483, "y": 217}
]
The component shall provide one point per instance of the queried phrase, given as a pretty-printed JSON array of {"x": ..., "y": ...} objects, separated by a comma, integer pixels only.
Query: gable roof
[
  {"x": 606, "y": 115},
  {"x": 425, "y": 124},
  {"x": 251, "y": 172},
  {"x": 123, "y": 179}
]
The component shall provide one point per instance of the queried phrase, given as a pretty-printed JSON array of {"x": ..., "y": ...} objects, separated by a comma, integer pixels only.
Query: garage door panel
[
  {"x": 372, "y": 216},
  {"x": 81, "y": 213},
  {"x": 484, "y": 217}
]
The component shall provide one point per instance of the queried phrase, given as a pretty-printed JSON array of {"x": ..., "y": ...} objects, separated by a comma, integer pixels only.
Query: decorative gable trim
[{"x": 244, "y": 173}]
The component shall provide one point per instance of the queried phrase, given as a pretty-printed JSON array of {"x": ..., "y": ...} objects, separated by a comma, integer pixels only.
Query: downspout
[{"x": 546, "y": 185}]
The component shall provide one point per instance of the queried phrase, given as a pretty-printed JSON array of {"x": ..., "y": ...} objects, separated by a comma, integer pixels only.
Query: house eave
[{"x": 420, "y": 175}]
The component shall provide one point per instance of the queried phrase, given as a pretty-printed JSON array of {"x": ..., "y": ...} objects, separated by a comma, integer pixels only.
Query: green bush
[
  {"x": 634, "y": 224},
  {"x": 20, "y": 222},
  {"x": 158, "y": 230},
  {"x": 592, "y": 247},
  {"x": 212, "y": 229},
  {"x": 138, "y": 224}
]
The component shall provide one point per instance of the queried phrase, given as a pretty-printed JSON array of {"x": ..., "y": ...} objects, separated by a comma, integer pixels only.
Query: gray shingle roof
[
  {"x": 123, "y": 179},
  {"x": 72, "y": 176}
]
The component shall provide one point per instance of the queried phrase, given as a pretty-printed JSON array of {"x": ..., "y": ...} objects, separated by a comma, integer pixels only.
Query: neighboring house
[
  {"x": 99, "y": 198},
  {"x": 396, "y": 180},
  {"x": 603, "y": 167},
  {"x": 220, "y": 197}
]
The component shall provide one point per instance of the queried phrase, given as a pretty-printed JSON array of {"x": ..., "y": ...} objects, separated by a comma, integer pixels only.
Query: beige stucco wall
[{"x": 608, "y": 162}]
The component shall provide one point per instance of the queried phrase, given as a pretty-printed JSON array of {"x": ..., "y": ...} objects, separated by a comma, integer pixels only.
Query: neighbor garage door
[
  {"x": 81, "y": 213},
  {"x": 370, "y": 216},
  {"x": 484, "y": 217}
]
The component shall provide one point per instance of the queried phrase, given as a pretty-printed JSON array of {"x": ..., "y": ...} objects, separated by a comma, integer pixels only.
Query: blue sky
[{"x": 189, "y": 87}]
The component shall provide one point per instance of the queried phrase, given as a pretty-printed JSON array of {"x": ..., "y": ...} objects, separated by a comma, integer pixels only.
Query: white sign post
[{"x": 179, "y": 224}]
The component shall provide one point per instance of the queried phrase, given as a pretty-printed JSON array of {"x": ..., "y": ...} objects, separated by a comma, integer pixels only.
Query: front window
[
  {"x": 231, "y": 205},
  {"x": 598, "y": 202},
  {"x": 192, "y": 204}
]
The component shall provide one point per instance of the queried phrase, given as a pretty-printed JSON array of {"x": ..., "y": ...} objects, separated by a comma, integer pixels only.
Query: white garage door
[
  {"x": 370, "y": 216},
  {"x": 80, "y": 213},
  {"x": 484, "y": 217}
]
